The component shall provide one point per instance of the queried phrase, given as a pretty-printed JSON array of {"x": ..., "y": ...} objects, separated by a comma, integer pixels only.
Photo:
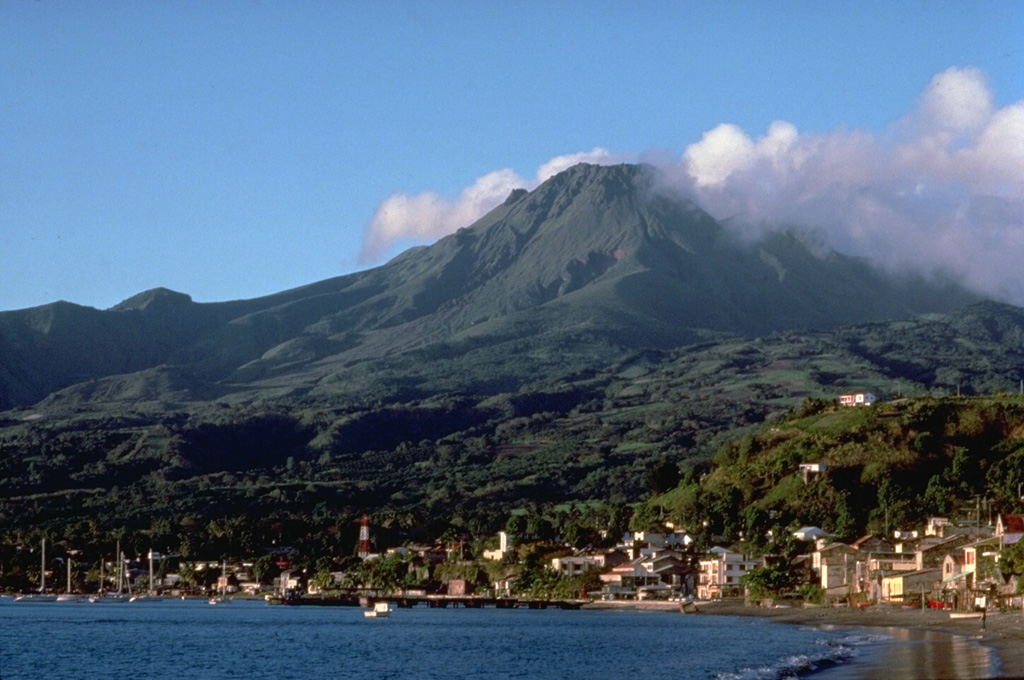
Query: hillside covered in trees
[{"x": 885, "y": 467}]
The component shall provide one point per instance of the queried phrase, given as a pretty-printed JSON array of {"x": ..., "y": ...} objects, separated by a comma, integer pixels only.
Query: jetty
[{"x": 431, "y": 601}]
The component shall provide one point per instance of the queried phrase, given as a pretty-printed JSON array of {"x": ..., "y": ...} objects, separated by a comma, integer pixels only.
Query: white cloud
[
  {"x": 956, "y": 100},
  {"x": 427, "y": 216},
  {"x": 943, "y": 190},
  {"x": 596, "y": 156},
  {"x": 721, "y": 152}
]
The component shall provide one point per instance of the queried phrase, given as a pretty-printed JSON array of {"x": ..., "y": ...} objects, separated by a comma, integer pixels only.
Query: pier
[{"x": 432, "y": 601}]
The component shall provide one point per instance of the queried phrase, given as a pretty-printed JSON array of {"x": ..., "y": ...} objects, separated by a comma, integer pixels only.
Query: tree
[
  {"x": 387, "y": 573},
  {"x": 769, "y": 581},
  {"x": 187, "y": 573},
  {"x": 645, "y": 518},
  {"x": 263, "y": 567},
  {"x": 516, "y": 525},
  {"x": 1011, "y": 563},
  {"x": 663, "y": 476}
]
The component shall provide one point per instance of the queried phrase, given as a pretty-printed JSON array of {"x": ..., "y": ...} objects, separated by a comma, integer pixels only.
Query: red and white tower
[{"x": 364, "y": 537}]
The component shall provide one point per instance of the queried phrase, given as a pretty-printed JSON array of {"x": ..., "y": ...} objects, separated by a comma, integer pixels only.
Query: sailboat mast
[
  {"x": 152, "y": 591},
  {"x": 69, "y": 575},
  {"x": 42, "y": 570},
  {"x": 127, "y": 576}
]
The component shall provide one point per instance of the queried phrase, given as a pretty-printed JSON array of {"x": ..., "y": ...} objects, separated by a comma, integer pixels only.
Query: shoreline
[{"x": 1004, "y": 631}]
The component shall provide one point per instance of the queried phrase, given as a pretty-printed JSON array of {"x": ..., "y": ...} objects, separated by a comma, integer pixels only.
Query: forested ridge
[{"x": 885, "y": 467}]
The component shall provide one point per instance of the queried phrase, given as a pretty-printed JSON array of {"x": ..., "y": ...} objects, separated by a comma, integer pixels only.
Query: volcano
[{"x": 595, "y": 262}]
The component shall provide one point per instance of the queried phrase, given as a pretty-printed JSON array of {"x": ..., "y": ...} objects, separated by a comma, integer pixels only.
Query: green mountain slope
[
  {"x": 451, "y": 455},
  {"x": 885, "y": 467},
  {"x": 593, "y": 263}
]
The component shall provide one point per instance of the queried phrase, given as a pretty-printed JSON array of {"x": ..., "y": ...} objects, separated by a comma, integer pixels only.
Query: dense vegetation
[
  {"x": 233, "y": 479},
  {"x": 888, "y": 466}
]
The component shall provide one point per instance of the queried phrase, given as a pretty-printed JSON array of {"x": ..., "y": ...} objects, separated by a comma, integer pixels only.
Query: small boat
[
  {"x": 222, "y": 596},
  {"x": 36, "y": 597},
  {"x": 381, "y": 610},
  {"x": 967, "y": 614}
]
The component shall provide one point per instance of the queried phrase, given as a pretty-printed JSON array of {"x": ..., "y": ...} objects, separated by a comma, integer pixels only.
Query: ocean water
[{"x": 254, "y": 641}]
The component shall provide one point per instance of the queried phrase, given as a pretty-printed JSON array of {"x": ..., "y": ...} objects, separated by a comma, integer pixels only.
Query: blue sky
[{"x": 234, "y": 149}]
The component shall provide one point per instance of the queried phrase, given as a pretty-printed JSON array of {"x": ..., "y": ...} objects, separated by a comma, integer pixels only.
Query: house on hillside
[
  {"x": 638, "y": 543},
  {"x": 811, "y": 471},
  {"x": 872, "y": 543},
  {"x": 625, "y": 581},
  {"x": 1010, "y": 528},
  {"x": 931, "y": 552},
  {"x": 504, "y": 548},
  {"x": 721, "y": 573},
  {"x": 907, "y": 585},
  {"x": 812, "y": 534},
  {"x": 857, "y": 399},
  {"x": 880, "y": 564},
  {"x": 952, "y": 567},
  {"x": 574, "y": 565},
  {"x": 980, "y": 559},
  {"x": 969, "y": 568},
  {"x": 836, "y": 568}
]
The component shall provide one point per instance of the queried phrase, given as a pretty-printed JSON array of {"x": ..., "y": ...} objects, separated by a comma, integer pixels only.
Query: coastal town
[
  {"x": 943, "y": 565},
  {"x": 967, "y": 565}
]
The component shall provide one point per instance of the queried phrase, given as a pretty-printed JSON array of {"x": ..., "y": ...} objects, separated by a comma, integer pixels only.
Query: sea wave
[{"x": 828, "y": 653}]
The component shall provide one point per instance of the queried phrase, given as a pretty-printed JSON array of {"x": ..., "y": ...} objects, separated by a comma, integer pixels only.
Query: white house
[
  {"x": 574, "y": 565},
  {"x": 721, "y": 572},
  {"x": 1010, "y": 528},
  {"x": 810, "y": 534},
  {"x": 907, "y": 586},
  {"x": 836, "y": 568},
  {"x": 504, "y": 547},
  {"x": 857, "y": 399},
  {"x": 625, "y": 580},
  {"x": 811, "y": 471}
]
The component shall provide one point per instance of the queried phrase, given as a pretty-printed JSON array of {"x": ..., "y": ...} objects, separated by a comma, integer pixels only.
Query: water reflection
[{"x": 905, "y": 654}]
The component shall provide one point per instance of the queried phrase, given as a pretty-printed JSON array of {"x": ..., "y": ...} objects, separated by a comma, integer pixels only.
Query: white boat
[
  {"x": 222, "y": 597},
  {"x": 381, "y": 610},
  {"x": 67, "y": 595},
  {"x": 36, "y": 597},
  {"x": 966, "y": 615}
]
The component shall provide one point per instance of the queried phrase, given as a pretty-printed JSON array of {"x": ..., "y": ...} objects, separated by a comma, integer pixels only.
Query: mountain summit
[{"x": 594, "y": 257}]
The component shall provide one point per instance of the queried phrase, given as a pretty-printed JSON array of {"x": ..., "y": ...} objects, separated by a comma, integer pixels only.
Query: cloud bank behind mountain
[{"x": 939, "y": 191}]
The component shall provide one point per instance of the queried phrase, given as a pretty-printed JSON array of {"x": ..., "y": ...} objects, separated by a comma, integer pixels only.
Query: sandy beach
[{"x": 934, "y": 637}]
